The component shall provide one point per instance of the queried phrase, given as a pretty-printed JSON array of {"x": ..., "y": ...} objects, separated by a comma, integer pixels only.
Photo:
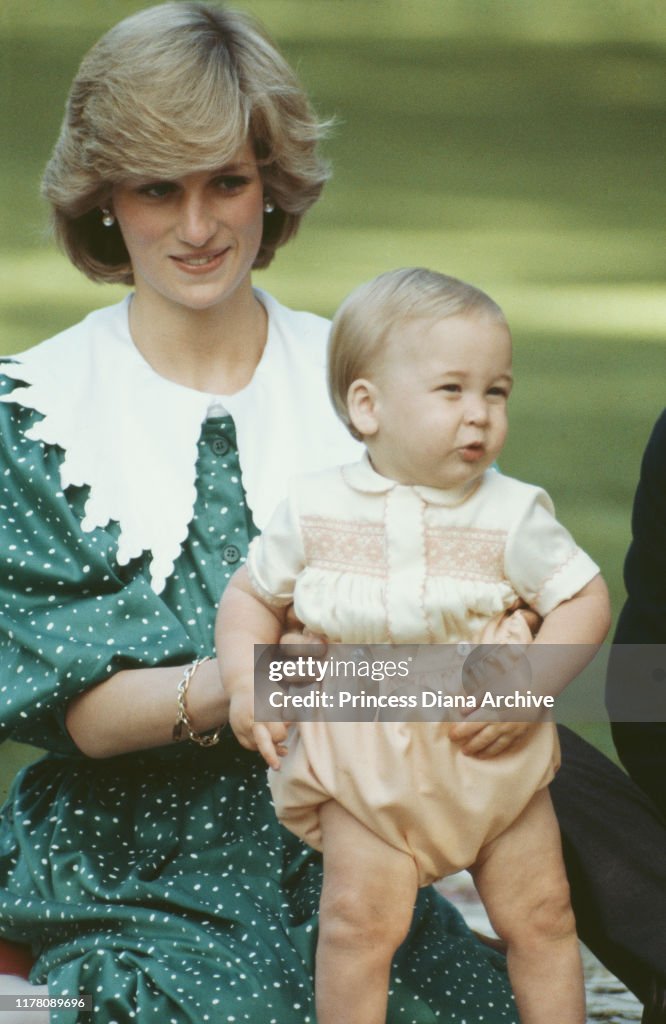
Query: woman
[{"x": 142, "y": 449}]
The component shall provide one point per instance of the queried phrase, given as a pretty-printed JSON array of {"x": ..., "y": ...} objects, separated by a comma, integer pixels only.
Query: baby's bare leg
[
  {"x": 521, "y": 879},
  {"x": 366, "y": 909}
]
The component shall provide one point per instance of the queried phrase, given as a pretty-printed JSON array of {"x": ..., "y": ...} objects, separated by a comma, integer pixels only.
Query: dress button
[
  {"x": 220, "y": 446},
  {"x": 464, "y": 649},
  {"x": 231, "y": 554}
]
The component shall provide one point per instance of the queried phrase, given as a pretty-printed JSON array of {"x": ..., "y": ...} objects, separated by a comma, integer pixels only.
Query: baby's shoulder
[{"x": 505, "y": 498}]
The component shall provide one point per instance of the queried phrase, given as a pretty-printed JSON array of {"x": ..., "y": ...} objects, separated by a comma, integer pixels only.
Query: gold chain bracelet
[{"x": 183, "y": 720}]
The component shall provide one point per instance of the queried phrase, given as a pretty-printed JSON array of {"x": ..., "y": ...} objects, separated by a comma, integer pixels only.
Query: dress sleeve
[
  {"x": 276, "y": 558},
  {"x": 69, "y": 615},
  {"x": 542, "y": 560}
]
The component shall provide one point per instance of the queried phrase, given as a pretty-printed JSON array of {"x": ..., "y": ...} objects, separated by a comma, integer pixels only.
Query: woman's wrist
[
  {"x": 136, "y": 709},
  {"x": 185, "y": 726}
]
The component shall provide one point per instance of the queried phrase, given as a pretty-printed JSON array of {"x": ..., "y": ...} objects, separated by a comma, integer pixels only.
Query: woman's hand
[
  {"x": 487, "y": 739},
  {"x": 497, "y": 665},
  {"x": 297, "y": 640}
]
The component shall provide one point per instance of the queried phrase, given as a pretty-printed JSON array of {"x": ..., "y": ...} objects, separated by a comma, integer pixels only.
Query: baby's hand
[
  {"x": 266, "y": 737},
  {"x": 487, "y": 739},
  {"x": 269, "y": 740}
]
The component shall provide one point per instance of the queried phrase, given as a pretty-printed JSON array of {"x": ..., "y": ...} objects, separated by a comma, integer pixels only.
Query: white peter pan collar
[
  {"x": 363, "y": 477},
  {"x": 132, "y": 436}
]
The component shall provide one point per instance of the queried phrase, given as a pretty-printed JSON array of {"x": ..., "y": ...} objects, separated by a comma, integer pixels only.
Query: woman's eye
[
  {"x": 156, "y": 189},
  {"x": 231, "y": 182}
]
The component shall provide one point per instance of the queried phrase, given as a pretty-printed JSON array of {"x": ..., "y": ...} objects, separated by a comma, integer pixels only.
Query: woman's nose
[{"x": 197, "y": 222}]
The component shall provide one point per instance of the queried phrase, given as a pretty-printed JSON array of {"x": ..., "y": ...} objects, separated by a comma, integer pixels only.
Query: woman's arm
[{"x": 136, "y": 709}]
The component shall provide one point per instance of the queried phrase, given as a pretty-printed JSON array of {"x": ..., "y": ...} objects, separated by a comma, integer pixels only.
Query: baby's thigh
[{"x": 520, "y": 875}]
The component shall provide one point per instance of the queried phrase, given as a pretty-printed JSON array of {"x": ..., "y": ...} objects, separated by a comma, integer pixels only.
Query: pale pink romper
[{"x": 369, "y": 561}]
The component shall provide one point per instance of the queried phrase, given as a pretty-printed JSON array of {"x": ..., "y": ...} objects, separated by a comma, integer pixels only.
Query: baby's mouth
[{"x": 473, "y": 451}]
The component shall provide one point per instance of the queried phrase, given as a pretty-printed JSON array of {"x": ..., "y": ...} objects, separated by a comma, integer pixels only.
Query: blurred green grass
[{"x": 518, "y": 145}]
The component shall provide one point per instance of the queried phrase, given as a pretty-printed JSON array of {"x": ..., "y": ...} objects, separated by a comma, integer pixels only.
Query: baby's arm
[
  {"x": 244, "y": 620},
  {"x": 582, "y": 620},
  {"x": 574, "y": 630}
]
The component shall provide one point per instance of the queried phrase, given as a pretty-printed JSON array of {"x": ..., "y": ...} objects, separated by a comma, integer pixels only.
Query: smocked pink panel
[
  {"x": 354, "y": 546},
  {"x": 465, "y": 553}
]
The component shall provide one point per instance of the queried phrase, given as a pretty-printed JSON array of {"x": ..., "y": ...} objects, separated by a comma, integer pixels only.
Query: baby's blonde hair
[{"x": 366, "y": 318}]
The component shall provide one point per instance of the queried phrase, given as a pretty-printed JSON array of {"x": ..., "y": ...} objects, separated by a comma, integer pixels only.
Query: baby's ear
[{"x": 361, "y": 407}]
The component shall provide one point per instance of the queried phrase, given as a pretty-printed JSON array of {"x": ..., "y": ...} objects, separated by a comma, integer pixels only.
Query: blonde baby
[{"x": 422, "y": 541}]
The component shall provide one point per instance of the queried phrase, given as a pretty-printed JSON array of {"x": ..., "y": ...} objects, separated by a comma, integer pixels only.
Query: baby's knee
[
  {"x": 364, "y": 919},
  {"x": 545, "y": 916}
]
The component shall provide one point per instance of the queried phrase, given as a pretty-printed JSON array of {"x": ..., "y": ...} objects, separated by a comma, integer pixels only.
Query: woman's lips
[{"x": 201, "y": 262}]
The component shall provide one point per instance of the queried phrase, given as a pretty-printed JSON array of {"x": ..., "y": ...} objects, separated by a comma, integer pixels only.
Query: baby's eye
[
  {"x": 452, "y": 389},
  {"x": 498, "y": 392}
]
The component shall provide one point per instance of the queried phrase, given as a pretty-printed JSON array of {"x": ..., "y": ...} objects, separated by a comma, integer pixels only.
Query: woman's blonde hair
[
  {"x": 178, "y": 88},
  {"x": 365, "y": 320}
]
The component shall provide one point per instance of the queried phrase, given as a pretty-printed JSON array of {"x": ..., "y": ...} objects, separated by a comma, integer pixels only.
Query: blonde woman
[{"x": 140, "y": 451}]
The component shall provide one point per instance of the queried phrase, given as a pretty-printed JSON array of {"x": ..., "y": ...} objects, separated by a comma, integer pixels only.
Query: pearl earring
[
  {"x": 269, "y": 206},
  {"x": 108, "y": 220}
]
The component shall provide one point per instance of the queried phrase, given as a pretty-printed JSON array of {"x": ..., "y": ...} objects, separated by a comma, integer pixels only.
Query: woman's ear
[{"x": 362, "y": 407}]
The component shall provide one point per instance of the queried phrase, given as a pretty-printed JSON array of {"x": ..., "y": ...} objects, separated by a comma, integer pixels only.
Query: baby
[{"x": 420, "y": 542}]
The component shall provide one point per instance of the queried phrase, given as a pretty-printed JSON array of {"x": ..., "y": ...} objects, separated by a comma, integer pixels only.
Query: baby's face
[{"x": 441, "y": 394}]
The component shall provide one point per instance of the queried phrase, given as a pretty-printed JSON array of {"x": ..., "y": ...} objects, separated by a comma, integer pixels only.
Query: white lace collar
[{"x": 131, "y": 436}]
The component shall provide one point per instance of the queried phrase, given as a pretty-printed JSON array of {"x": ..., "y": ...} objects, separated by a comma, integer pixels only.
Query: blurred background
[{"x": 519, "y": 145}]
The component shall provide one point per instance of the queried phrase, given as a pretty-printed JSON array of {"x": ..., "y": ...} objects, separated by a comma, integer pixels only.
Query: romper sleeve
[
  {"x": 69, "y": 615},
  {"x": 542, "y": 560},
  {"x": 277, "y": 557}
]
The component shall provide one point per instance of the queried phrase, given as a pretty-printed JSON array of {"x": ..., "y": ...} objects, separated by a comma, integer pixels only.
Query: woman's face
[{"x": 192, "y": 240}]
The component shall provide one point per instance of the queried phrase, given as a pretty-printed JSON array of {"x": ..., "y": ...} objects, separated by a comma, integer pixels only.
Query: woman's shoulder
[
  {"x": 100, "y": 323},
  {"x": 41, "y": 377},
  {"x": 14, "y": 420},
  {"x": 298, "y": 328},
  {"x": 287, "y": 317},
  {"x": 41, "y": 380}
]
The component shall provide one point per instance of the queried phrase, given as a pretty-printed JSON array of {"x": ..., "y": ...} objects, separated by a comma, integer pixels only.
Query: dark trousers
[{"x": 614, "y": 840}]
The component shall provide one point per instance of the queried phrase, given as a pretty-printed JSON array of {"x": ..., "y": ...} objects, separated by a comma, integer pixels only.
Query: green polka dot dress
[{"x": 161, "y": 883}]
